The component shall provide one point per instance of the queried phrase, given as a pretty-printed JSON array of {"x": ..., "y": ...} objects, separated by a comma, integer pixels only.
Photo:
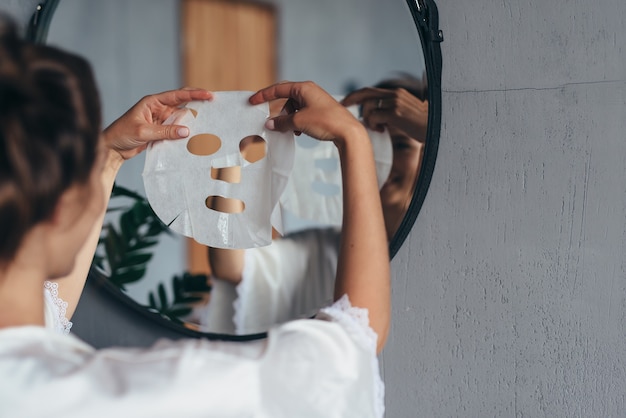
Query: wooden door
[{"x": 226, "y": 45}]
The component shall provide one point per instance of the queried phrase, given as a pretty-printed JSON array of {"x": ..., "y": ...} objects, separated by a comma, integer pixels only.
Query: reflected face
[{"x": 397, "y": 192}]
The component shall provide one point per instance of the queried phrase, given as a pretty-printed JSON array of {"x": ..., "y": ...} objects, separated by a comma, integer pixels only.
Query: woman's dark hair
[
  {"x": 418, "y": 87},
  {"x": 49, "y": 129}
]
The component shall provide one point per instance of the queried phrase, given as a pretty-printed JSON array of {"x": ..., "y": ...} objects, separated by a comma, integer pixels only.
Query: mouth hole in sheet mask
[
  {"x": 253, "y": 148},
  {"x": 204, "y": 144},
  {"x": 225, "y": 204}
]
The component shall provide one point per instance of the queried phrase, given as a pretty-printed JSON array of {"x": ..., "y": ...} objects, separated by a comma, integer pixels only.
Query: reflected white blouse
[
  {"x": 324, "y": 367},
  {"x": 291, "y": 278}
]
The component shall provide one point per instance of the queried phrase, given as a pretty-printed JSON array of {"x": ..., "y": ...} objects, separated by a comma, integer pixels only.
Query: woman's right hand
[
  {"x": 309, "y": 109},
  {"x": 143, "y": 123}
]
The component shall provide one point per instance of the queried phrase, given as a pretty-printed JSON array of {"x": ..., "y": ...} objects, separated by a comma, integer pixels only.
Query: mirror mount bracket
[{"x": 37, "y": 29}]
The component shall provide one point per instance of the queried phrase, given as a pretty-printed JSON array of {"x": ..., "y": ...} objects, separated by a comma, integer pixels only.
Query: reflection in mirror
[{"x": 347, "y": 53}]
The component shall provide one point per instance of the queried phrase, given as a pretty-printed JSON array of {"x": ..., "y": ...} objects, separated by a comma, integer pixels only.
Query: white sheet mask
[
  {"x": 178, "y": 182},
  {"x": 314, "y": 191}
]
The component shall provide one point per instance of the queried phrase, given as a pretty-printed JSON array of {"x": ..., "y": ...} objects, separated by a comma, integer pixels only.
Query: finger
[
  {"x": 159, "y": 132},
  {"x": 191, "y": 88},
  {"x": 364, "y": 94},
  {"x": 283, "y": 123},
  {"x": 377, "y": 119},
  {"x": 289, "y": 107},
  {"x": 282, "y": 90},
  {"x": 368, "y": 107},
  {"x": 178, "y": 97}
]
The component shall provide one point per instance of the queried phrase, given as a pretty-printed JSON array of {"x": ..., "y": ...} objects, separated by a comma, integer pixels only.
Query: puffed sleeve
[
  {"x": 327, "y": 366},
  {"x": 55, "y": 309},
  {"x": 311, "y": 368}
]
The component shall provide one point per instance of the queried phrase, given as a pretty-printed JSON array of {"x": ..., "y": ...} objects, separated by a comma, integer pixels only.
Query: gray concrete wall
[{"x": 509, "y": 297}]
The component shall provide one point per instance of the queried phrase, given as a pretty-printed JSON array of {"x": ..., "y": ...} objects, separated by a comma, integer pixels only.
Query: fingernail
[
  {"x": 182, "y": 132},
  {"x": 270, "y": 124}
]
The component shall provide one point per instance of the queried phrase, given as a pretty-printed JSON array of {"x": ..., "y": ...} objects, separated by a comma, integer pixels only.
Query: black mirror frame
[
  {"x": 426, "y": 18},
  {"x": 37, "y": 29}
]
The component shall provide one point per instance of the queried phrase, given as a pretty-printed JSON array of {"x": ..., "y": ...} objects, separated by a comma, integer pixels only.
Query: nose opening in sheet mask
[
  {"x": 253, "y": 148},
  {"x": 204, "y": 144},
  {"x": 225, "y": 204},
  {"x": 227, "y": 174}
]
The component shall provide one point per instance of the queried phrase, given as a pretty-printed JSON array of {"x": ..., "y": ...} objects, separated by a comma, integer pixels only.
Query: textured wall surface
[{"x": 509, "y": 296}]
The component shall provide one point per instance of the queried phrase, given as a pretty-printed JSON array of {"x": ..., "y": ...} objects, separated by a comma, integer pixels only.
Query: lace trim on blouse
[
  {"x": 356, "y": 321},
  {"x": 61, "y": 323}
]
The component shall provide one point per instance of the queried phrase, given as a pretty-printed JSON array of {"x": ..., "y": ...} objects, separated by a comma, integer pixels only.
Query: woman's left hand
[
  {"x": 391, "y": 108},
  {"x": 130, "y": 134}
]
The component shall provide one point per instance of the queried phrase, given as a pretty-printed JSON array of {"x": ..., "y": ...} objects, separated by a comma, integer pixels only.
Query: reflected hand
[
  {"x": 143, "y": 123},
  {"x": 396, "y": 108},
  {"x": 309, "y": 109}
]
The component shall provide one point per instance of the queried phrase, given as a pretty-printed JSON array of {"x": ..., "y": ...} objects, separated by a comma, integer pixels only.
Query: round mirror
[{"x": 381, "y": 55}]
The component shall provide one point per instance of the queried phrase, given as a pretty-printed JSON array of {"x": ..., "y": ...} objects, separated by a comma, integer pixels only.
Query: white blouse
[
  {"x": 325, "y": 367},
  {"x": 55, "y": 309},
  {"x": 291, "y": 278}
]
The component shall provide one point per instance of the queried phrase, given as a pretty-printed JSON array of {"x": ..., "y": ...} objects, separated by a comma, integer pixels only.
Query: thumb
[
  {"x": 159, "y": 132},
  {"x": 282, "y": 123}
]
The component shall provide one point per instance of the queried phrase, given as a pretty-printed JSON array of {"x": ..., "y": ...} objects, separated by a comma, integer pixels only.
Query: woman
[{"x": 55, "y": 170}]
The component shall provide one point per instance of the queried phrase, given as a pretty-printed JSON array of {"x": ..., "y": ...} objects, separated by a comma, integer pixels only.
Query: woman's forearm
[
  {"x": 71, "y": 286},
  {"x": 363, "y": 271}
]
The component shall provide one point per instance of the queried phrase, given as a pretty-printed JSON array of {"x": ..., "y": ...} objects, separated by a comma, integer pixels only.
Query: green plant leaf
[
  {"x": 162, "y": 296},
  {"x": 127, "y": 276},
  {"x": 127, "y": 226},
  {"x": 110, "y": 247},
  {"x": 152, "y": 301},
  {"x": 189, "y": 299},
  {"x": 178, "y": 312},
  {"x": 141, "y": 212},
  {"x": 143, "y": 244},
  {"x": 132, "y": 260},
  {"x": 123, "y": 191}
]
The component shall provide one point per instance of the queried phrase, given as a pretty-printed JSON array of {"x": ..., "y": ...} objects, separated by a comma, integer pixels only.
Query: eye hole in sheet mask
[
  {"x": 253, "y": 148},
  {"x": 204, "y": 144}
]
